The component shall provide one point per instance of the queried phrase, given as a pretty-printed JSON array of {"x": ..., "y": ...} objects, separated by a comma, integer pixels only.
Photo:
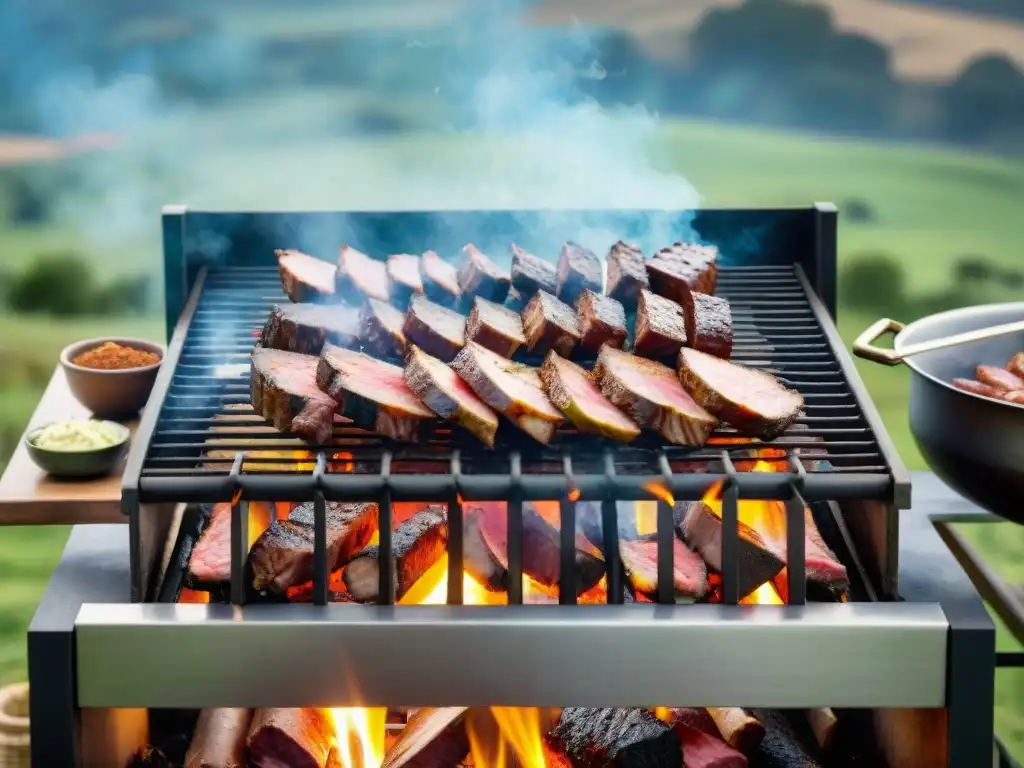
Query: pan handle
[{"x": 864, "y": 345}]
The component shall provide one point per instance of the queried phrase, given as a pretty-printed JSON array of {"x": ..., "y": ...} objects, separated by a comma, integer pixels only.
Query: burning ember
[{"x": 360, "y": 736}]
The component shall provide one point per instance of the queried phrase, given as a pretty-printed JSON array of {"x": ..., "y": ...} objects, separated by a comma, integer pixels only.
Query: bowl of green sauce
[{"x": 78, "y": 447}]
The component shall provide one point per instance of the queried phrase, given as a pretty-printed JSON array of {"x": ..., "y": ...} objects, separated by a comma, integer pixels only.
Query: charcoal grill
[{"x": 933, "y": 656}]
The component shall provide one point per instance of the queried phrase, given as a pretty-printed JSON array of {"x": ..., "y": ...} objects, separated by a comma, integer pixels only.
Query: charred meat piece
[
  {"x": 977, "y": 388},
  {"x": 515, "y": 300},
  {"x": 219, "y": 739},
  {"x": 305, "y": 277},
  {"x": 418, "y": 543},
  {"x": 284, "y": 391},
  {"x": 372, "y": 393},
  {"x": 702, "y": 750},
  {"x": 998, "y": 378},
  {"x": 304, "y": 328},
  {"x": 752, "y": 401},
  {"x": 627, "y": 275},
  {"x": 1016, "y": 365},
  {"x": 478, "y": 559},
  {"x": 660, "y": 327},
  {"x": 380, "y": 329},
  {"x": 297, "y": 738},
  {"x": 626, "y": 738},
  {"x": 440, "y": 279},
  {"x": 210, "y": 561},
  {"x": 496, "y": 327},
  {"x": 571, "y": 390},
  {"x": 602, "y": 321},
  {"x": 359, "y": 277},
  {"x": 512, "y": 389},
  {"x": 550, "y": 324},
  {"x": 695, "y": 265},
  {"x": 434, "y": 737},
  {"x": 443, "y": 392},
  {"x": 709, "y": 324},
  {"x": 578, "y": 269},
  {"x": 531, "y": 274},
  {"x": 651, "y": 394},
  {"x": 640, "y": 559},
  {"x": 436, "y": 330},
  {"x": 479, "y": 276},
  {"x": 282, "y": 556},
  {"x": 404, "y": 273},
  {"x": 781, "y": 748}
]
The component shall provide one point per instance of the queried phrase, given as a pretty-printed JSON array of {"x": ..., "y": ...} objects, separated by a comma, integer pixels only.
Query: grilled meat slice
[
  {"x": 478, "y": 559},
  {"x": 515, "y": 301},
  {"x": 219, "y": 739},
  {"x": 297, "y": 738},
  {"x": 651, "y": 394},
  {"x": 372, "y": 393},
  {"x": 436, "y": 330},
  {"x": 512, "y": 389},
  {"x": 640, "y": 559},
  {"x": 578, "y": 269},
  {"x": 418, "y": 543},
  {"x": 781, "y": 748},
  {"x": 443, "y": 392},
  {"x": 531, "y": 274},
  {"x": 284, "y": 391},
  {"x": 627, "y": 275},
  {"x": 305, "y": 277},
  {"x": 709, "y": 324},
  {"x": 572, "y": 391},
  {"x": 706, "y": 750},
  {"x": 304, "y": 328},
  {"x": 282, "y": 556},
  {"x": 404, "y": 273},
  {"x": 660, "y": 327},
  {"x": 479, "y": 276},
  {"x": 210, "y": 561},
  {"x": 496, "y": 327},
  {"x": 683, "y": 267},
  {"x": 440, "y": 279},
  {"x": 752, "y": 401},
  {"x": 602, "y": 321},
  {"x": 1016, "y": 365},
  {"x": 359, "y": 277},
  {"x": 434, "y": 737},
  {"x": 626, "y": 738},
  {"x": 998, "y": 378},
  {"x": 550, "y": 324},
  {"x": 380, "y": 329}
]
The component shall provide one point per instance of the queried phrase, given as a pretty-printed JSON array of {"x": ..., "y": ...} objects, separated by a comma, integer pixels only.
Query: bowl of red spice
[{"x": 112, "y": 377}]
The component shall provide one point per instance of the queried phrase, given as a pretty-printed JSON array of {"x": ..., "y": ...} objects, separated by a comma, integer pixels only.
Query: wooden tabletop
[{"x": 29, "y": 496}]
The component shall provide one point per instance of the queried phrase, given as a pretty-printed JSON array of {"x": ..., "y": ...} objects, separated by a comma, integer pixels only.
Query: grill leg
[{"x": 970, "y": 683}]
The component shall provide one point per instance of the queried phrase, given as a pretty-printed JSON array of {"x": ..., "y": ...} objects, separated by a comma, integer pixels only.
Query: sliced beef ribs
[
  {"x": 359, "y": 277},
  {"x": 496, "y": 327},
  {"x": 572, "y": 391},
  {"x": 478, "y": 559},
  {"x": 219, "y": 739},
  {"x": 305, "y": 277},
  {"x": 627, "y": 275},
  {"x": 752, "y": 401},
  {"x": 1016, "y": 365},
  {"x": 626, "y": 738},
  {"x": 684, "y": 267},
  {"x": 404, "y": 274},
  {"x": 418, "y": 543},
  {"x": 297, "y": 738},
  {"x": 380, "y": 330},
  {"x": 373, "y": 394},
  {"x": 436, "y": 330},
  {"x": 304, "y": 328},
  {"x": 578, "y": 269},
  {"x": 660, "y": 327},
  {"x": 440, "y": 279},
  {"x": 479, "y": 276},
  {"x": 781, "y": 747},
  {"x": 210, "y": 561},
  {"x": 282, "y": 556},
  {"x": 640, "y": 560},
  {"x": 531, "y": 274},
  {"x": 550, "y": 324},
  {"x": 998, "y": 378},
  {"x": 512, "y": 389},
  {"x": 284, "y": 391},
  {"x": 602, "y": 321},
  {"x": 709, "y": 324},
  {"x": 651, "y": 394},
  {"x": 821, "y": 565},
  {"x": 434, "y": 737}
]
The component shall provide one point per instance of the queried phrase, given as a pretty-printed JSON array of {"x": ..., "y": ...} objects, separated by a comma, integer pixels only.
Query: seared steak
[
  {"x": 683, "y": 267},
  {"x": 627, "y": 275},
  {"x": 479, "y": 276},
  {"x": 550, "y": 324},
  {"x": 640, "y": 560},
  {"x": 602, "y": 321},
  {"x": 304, "y": 328},
  {"x": 440, "y": 279},
  {"x": 572, "y": 391},
  {"x": 359, "y": 277},
  {"x": 660, "y": 327},
  {"x": 627, "y": 738},
  {"x": 578, "y": 269},
  {"x": 381, "y": 330},
  {"x": 304, "y": 277},
  {"x": 496, "y": 327},
  {"x": 709, "y": 324},
  {"x": 436, "y": 330},
  {"x": 284, "y": 392},
  {"x": 530, "y": 274},
  {"x": 210, "y": 561},
  {"x": 404, "y": 273}
]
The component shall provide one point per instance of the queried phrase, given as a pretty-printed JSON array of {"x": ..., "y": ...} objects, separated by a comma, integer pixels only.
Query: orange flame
[
  {"x": 360, "y": 735},
  {"x": 660, "y": 491},
  {"x": 193, "y": 596},
  {"x": 766, "y": 594}
]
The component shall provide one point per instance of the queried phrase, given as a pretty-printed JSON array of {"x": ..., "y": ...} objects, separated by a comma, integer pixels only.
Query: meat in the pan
[
  {"x": 550, "y": 324},
  {"x": 1016, "y": 365},
  {"x": 781, "y": 747},
  {"x": 443, "y": 392},
  {"x": 753, "y": 401},
  {"x": 436, "y": 330},
  {"x": 296, "y": 738},
  {"x": 359, "y": 277},
  {"x": 709, "y": 324},
  {"x": 683, "y": 267},
  {"x": 284, "y": 391},
  {"x": 531, "y": 274},
  {"x": 404, "y": 274},
  {"x": 496, "y": 327},
  {"x": 418, "y": 543},
  {"x": 479, "y": 276},
  {"x": 283, "y": 555},
  {"x": 380, "y": 330},
  {"x": 1014, "y": 396},
  {"x": 574, "y": 393},
  {"x": 660, "y": 327},
  {"x": 440, "y": 279},
  {"x": 998, "y": 378},
  {"x": 651, "y": 394},
  {"x": 512, "y": 389},
  {"x": 624, "y": 738},
  {"x": 304, "y": 328},
  {"x": 434, "y": 737},
  {"x": 602, "y": 321},
  {"x": 305, "y": 277},
  {"x": 578, "y": 269},
  {"x": 627, "y": 275},
  {"x": 219, "y": 739},
  {"x": 640, "y": 560},
  {"x": 373, "y": 394},
  {"x": 977, "y": 388}
]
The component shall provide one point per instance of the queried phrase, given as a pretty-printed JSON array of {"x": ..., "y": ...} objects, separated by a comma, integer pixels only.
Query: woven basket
[{"x": 14, "y": 736}]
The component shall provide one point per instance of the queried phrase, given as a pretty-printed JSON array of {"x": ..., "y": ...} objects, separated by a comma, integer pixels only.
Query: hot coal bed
[{"x": 741, "y": 599}]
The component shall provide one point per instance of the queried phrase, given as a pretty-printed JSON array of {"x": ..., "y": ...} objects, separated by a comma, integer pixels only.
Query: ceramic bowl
[
  {"x": 115, "y": 394},
  {"x": 88, "y": 463}
]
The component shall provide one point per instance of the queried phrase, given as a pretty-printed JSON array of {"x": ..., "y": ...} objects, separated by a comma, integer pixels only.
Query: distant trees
[{"x": 986, "y": 101}]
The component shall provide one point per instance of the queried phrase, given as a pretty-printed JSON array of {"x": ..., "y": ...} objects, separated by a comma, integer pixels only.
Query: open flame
[{"x": 360, "y": 735}]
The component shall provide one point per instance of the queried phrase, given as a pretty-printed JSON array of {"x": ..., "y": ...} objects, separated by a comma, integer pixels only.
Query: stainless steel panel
[{"x": 844, "y": 655}]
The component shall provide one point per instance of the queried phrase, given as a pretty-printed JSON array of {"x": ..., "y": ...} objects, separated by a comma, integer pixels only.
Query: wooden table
[{"x": 29, "y": 496}]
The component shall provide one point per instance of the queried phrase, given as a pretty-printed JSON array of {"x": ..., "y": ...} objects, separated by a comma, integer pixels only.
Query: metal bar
[
  {"x": 826, "y": 257},
  {"x": 172, "y": 223},
  {"x": 320, "y": 566},
  {"x": 567, "y": 539},
  {"x": 731, "y": 534},
  {"x": 1010, "y": 659},
  {"x": 666, "y": 532},
  {"x": 796, "y": 525},
  {"x": 456, "y": 521},
  {"x": 970, "y": 682},
  {"x": 610, "y": 536},
  {"x": 515, "y": 528},
  {"x": 386, "y": 553},
  {"x": 239, "y": 536}
]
